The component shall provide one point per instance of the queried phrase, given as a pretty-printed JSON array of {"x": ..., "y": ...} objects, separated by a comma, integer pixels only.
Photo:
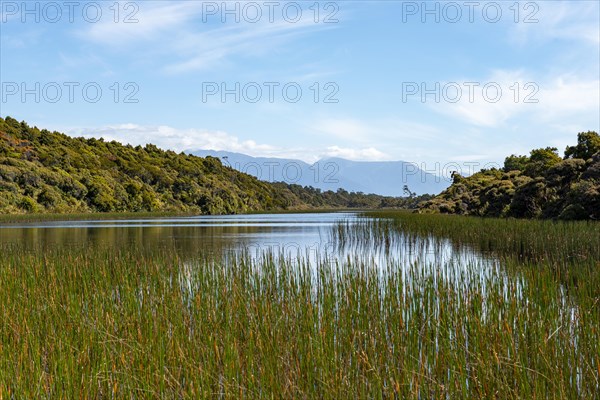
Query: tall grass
[
  {"x": 535, "y": 241},
  {"x": 570, "y": 251},
  {"x": 95, "y": 322}
]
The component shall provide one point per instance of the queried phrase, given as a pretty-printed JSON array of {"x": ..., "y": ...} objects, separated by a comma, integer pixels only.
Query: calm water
[
  {"x": 188, "y": 236},
  {"x": 305, "y": 234}
]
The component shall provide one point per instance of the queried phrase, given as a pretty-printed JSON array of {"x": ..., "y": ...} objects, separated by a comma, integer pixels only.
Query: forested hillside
[
  {"x": 43, "y": 171},
  {"x": 541, "y": 185}
]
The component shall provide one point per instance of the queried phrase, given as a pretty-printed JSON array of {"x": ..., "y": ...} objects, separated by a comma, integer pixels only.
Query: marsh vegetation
[{"x": 400, "y": 306}]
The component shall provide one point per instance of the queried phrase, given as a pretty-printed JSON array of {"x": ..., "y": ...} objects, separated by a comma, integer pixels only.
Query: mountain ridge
[{"x": 386, "y": 178}]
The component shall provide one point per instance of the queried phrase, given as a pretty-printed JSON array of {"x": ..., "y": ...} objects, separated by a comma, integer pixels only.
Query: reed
[{"x": 86, "y": 322}]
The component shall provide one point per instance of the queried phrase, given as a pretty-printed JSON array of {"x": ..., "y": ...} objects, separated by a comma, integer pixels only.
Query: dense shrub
[{"x": 541, "y": 185}]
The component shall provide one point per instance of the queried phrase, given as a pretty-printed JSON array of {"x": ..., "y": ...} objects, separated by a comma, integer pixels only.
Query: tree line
[{"x": 43, "y": 171}]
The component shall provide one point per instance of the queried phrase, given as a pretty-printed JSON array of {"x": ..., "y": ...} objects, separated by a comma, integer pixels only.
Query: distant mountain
[{"x": 385, "y": 178}]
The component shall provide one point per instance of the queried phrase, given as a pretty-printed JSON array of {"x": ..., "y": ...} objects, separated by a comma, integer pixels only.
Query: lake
[
  {"x": 187, "y": 235},
  {"x": 310, "y": 235}
]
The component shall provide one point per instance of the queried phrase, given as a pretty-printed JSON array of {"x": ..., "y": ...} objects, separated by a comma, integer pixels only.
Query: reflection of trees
[{"x": 187, "y": 241}]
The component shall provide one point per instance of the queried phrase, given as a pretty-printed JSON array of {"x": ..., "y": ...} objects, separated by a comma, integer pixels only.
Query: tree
[
  {"x": 515, "y": 163},
  {"x": 456, "y": 177},
  {"x": 540, "y": 160},
  {"x": 549, "y": 156},
  {"x": 588, "y": 144}
]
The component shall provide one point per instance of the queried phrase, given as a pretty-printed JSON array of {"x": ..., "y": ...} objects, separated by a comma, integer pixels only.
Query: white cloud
[
  {"x": 546, "y": 99},
  {"x": 171, "y": 138},
  {"x": 367, "y": 154},
  {"x": 343, "y": 128},
  {"x": 166, "y": 137},
  {"x": 180, "y": 33},
  {"x": 154, "y": 20},
  {"x": 201, "y": 50},
  {"x": 486, "y": 102},
  {"x": 567, "y": 95},
  {"x": 565, "y": 20},
  {"x": 369, "y": 131}
]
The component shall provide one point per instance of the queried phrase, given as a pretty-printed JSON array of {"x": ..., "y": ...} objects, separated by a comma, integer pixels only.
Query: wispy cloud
[
  {"x": 150, "y": 21},
  {"x": 167, "y": 137},
  {"x": 348, "y": 129},
  {"x": 200, "y": 50},
  {"x": 568, "y": 95},
  {"x": 547, "y": 99},
  {"x": 366, "y": 131},
  {"x": 366, "y": 154},
  {"x": 565, "y": 20},
  {"x": 185, "y": 40}
]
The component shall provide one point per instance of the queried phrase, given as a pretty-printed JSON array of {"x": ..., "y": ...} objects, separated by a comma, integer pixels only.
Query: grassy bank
[
  {"x": 26, "y": 218},
  {"x": 94, "y": 322}
]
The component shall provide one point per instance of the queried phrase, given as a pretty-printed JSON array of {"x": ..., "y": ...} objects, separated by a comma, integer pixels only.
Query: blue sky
[{"x": 369, "y": 56}]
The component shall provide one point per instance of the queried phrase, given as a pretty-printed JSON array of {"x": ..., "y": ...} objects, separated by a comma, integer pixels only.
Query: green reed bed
[
  {"x": 540, "y": 241},
  {"x": 92, "y": 322},
  {"x": 568, "y": 250}
]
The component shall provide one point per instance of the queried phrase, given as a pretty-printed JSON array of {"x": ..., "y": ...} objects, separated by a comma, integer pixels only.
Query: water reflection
[
  {"x": 334, "y": 237},
  {"x": 289, "y": 233}
]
